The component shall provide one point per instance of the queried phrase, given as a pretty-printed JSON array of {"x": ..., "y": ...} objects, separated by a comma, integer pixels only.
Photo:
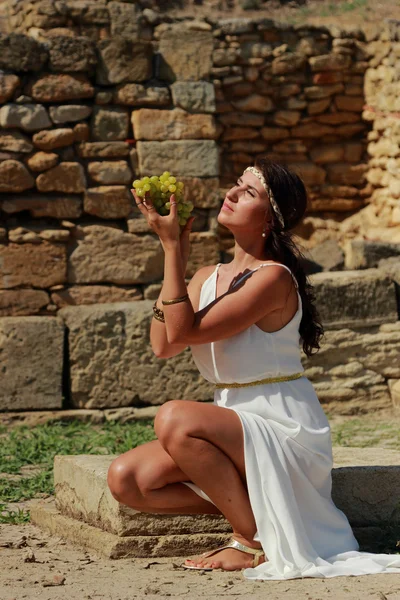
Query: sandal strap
[{"x": 258, "y": 552}]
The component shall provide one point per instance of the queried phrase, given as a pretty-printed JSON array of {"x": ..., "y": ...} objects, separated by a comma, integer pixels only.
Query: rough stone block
[
  {"x": 189, "y": 158},
  {"x": 45, "y": 205},
  {"x": 58, "y": 88},
  {"x": 37, "y": 344},
  {"x": 74, "y": 476},
  {"x": 173, "y": 124},
  {"x": 112, "y": 363},
  {"x": 66, "y": 177},
  {"x": 135, "y": 94},
  {"x": 69, "y": 113},
  {"x": 94, "y": 294},
  {"x": 106, "y": 254},
  {"x": 8, "y": 84},
  {"x": 45, "y": 515},
  {"x": 32, "y": 265},
  {"x": 82, "y": 492},
  {"x": 180, "y": 51},
  {"x": 194, "y": 96},
  {"x": 110, "y": 123},
  {"x": 355, "y": 298},
  {"x": 363, "y": 254},
  {"x": 15, "y": 177},
  {"x": 122, "y": 60},
  {"x": 108, "y": 201},
  {"x": 109, "y": 172},
  {"x": 21, "y": 53},
  {"x": 18, "y": 303},
  {"x": 68, "y": 54},
  {"x": 29, "y": 117}
]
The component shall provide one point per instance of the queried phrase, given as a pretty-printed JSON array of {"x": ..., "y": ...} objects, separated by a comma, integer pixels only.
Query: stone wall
[
  {"x": 99, "y": 93},
  {"x": 99, "y": 357},
  {"x": 94, "y": 94}
]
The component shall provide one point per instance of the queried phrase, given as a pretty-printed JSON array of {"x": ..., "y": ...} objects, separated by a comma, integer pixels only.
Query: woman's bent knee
[
  {"x": 121, "y": 481},
  {"x": 168, "y": 421}
]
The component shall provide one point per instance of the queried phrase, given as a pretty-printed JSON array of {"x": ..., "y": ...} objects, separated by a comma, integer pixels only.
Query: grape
[{"x": 159, "y": 189}]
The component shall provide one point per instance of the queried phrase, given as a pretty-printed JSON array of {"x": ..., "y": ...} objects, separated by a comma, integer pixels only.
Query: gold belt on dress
[{"x": 267, "y": 380}]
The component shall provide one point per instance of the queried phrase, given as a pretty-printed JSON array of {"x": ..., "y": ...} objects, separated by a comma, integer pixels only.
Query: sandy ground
[{"x": 35, "y": 564}]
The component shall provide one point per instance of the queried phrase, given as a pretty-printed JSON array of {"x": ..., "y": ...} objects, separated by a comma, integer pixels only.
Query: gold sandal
[{"x": 258, "y": 552}]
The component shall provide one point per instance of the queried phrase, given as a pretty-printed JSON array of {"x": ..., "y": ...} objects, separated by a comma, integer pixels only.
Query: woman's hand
[{"x": 167, "y": 228}]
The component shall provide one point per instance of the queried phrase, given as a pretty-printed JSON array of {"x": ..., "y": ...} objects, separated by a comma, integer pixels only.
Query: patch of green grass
[
  {"x": 39, "y": 445},
  {"x": 331, "y": 9},
  {"x": 366, "y": 433}
]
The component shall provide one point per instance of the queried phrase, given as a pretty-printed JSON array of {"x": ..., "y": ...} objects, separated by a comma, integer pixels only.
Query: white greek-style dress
[{"x": 288, "y": 453}]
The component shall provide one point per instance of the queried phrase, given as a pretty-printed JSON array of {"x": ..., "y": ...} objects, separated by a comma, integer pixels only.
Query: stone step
[{"x": 364, "y": 486}]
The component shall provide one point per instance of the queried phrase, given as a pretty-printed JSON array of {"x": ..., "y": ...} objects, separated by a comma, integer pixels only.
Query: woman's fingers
[{"x": 139, "y": 202}]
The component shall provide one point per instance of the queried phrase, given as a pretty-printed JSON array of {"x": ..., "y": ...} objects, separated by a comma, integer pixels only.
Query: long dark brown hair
[{"x": 290, "y": 194}]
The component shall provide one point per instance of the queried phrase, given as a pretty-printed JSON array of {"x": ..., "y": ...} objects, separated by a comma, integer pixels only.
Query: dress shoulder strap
[{"x": 281, "y": 265}]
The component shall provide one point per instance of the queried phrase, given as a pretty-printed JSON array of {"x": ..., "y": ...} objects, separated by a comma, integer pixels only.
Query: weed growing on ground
[
  {"x": 39, "y": 445},
  {"x": 23, "y": 446}
]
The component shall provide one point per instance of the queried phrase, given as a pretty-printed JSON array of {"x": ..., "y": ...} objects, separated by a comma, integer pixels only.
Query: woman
[{"x": 261, "y": 454}]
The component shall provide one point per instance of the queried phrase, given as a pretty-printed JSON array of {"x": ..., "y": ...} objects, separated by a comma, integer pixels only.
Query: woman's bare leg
[
  {"x": 206, "y": 442},
  {"x": 147, "y": 479}
]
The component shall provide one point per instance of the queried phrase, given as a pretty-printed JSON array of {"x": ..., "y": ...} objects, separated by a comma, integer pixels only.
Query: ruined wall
[
  {"x": 99, "y": 93},
  {"x": 83, "y": 115}
]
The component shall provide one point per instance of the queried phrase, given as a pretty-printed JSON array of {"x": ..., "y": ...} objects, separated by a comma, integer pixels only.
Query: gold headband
[{"x": 271, "y": 198}]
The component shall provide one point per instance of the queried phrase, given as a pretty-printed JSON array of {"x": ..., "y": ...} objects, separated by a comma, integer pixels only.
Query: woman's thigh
[
  {"x": 218, "y": 425},
  {"x": 149, "y": 465}
]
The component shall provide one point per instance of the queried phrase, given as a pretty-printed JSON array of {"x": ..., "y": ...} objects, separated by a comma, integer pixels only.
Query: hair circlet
[{"x": 271, "y": 198}]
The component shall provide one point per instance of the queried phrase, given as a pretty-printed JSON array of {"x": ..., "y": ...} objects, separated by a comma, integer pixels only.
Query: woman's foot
[{"x": 229, "y": 559}]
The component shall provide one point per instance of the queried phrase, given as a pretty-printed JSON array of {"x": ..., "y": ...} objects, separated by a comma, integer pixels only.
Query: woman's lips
[{"x": 226, "y": 207}]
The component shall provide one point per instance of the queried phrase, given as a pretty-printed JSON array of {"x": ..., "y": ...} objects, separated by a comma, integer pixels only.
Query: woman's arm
[{"x": 158, "y": 330}]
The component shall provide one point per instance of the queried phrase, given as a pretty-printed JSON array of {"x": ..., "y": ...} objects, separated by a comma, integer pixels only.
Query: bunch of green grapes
[{"x": 160, "y": 190}]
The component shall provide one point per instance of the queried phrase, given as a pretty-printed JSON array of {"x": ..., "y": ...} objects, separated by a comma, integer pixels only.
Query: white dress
[{"x": 288, "y": 454}]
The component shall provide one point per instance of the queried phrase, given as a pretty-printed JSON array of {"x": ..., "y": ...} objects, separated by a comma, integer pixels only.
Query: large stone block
[
  {"x": 21, "y": 53},
  {"x": 32, "y": 265},
  {"x": 29, "y": 117},
  {"x": 82, "y": 492},
  {"x": 44, "y": 205},
  {"x": 15, "y": 142},
  {"x": 17, "y": 303},
  {"x": 8, "y": 85},
  {"x": 363, "y": 254},
  {"x": 74, "y": 476},
  {"x": 58, "y": 88},
  {"x": 351, "y": 369},
  {"x": 110, "y": 123},
  {"x": 174, "y": 124},
  {"x": 94, "y": 294},
  {"x": 106, "y": 254},
  {"x": 180, "y": 51},
  {"x": 189, "y": 158},
  {"x": 354, "y": 298},
  {"x": 108, "y": 201},
  {"x": 68, "y": 54},
  {"x": 15, "y": 177},
  {"x": 135, "y": 94},
  {"x": 122, "y": 60},
  {"x": 31, "y": 362},
  {"x": 109, "y": 172},
  {"x": 194, "y": 96},
  {"x": 112, "y": 363},
  {"x": 66, "y": 177}
]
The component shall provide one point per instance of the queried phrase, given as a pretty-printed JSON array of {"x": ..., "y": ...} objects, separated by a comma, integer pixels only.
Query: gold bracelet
[
  {"x": 175, "y": 300},
  {"x": 157, "y": 311},
  {"x": 159, "y": 318}
]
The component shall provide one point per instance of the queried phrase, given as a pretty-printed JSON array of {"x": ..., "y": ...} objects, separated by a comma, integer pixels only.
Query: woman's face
[{"x": 246, "y": 205}]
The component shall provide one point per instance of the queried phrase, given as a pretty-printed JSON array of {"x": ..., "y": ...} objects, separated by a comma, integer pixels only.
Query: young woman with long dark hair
[{"x": 261, "y": 453}]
